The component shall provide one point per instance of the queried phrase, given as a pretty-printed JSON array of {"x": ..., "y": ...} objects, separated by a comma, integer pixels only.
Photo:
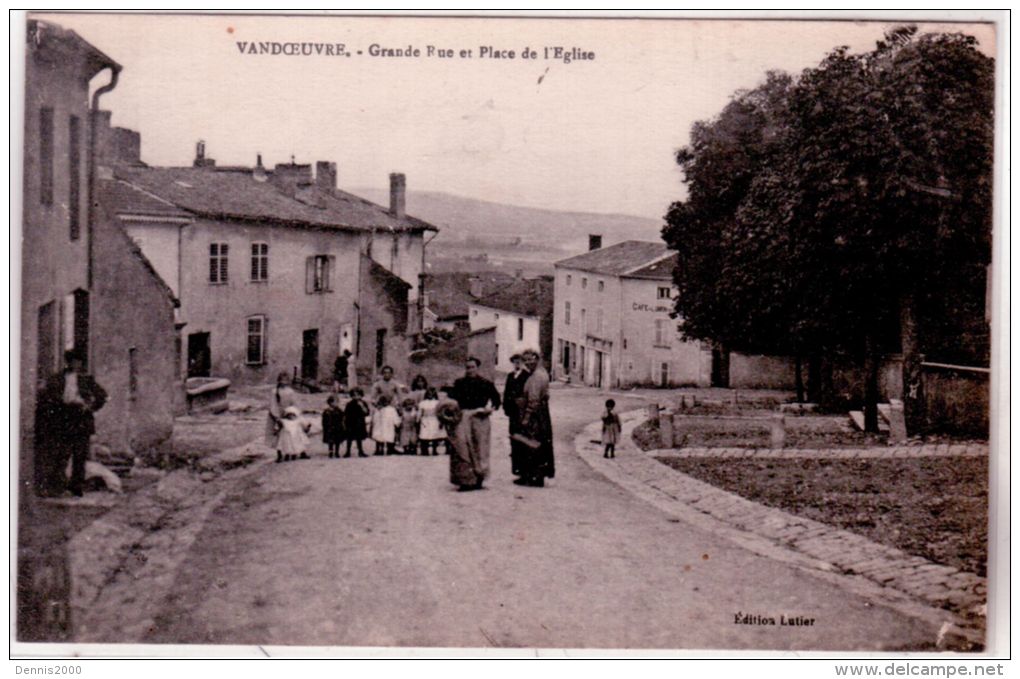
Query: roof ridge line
[
  {"x": 152, "y": 195},
  {"x": 658, "y": 259}
]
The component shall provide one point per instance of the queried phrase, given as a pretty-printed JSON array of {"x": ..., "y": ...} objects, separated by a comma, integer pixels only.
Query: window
[
  {"x": 664, "y": 293},
  {"x": 497, "y": 355},
  {"x": 259, "y": 262},
  {"x": 46, "y": 156},
  {"x": 598, "y": 321},
  {"x": 474, "y": 312},
  {"x": 256, "y": 340},
  {"x": 132, "y": 373},
  {"x": 664, "y": 374},
  {"x": 319, "y": 273},
  {"x": 624, "y": 342},
  {"x": 566, "y": 313},
  {"x": 520, "y": 329},
  {"x": 497, "y": 317},
  {"x": 584, "y": 320},
  {"x": 569, "y": 278},
  {"x": 661, "y": 339},
  {"x": 74, "y": 177},
  {"x": 602, "y": 286},
  {"x": 218, "y": 262},
  {"x": 584, "y": 283}
]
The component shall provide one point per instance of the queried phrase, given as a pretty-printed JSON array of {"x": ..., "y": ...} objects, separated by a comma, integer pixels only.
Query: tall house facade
[
  {"x": 276, "y": 270},
  {"x": 611, "y": 321},
  {"x": 56, "y": 233}
]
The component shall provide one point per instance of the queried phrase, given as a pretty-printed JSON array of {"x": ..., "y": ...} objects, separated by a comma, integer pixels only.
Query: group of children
[
  {"x": 395, "y": 432},
  {"x": 396, "y": 428}
]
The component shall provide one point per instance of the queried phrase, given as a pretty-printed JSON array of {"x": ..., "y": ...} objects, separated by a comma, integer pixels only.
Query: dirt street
[{"x": 383, "y": 551}]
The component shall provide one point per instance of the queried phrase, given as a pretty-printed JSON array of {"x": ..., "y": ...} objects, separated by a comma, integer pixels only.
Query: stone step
[{"x": 857, "y": 417}]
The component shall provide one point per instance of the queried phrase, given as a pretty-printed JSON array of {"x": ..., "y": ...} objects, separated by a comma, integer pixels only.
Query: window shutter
[
  {"x": 265, "y": 340},
  {"x": 309, "y": 275},
  {"x": 330, "y": 267},
  {"x": 223, "y": 262}
]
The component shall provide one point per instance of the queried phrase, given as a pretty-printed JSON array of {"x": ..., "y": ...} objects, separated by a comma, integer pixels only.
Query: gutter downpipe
[{"x": 90, "y": 219}]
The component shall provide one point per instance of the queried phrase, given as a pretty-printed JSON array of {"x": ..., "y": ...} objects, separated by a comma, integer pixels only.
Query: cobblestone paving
[{"x": 961, "y": 593}]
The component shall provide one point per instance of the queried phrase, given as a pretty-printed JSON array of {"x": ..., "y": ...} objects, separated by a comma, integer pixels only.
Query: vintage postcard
[{"x": 668, "y": 333}]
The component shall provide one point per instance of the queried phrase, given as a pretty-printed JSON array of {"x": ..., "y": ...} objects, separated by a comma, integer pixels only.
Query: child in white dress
[
  {"x": 385, "y": 421},
  {"x": 293, "y": 442},
  {"x": 430, "y": 431}
]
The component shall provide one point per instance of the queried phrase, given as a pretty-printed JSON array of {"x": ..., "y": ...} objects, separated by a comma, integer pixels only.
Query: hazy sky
[{"x": 593, "y": 135}]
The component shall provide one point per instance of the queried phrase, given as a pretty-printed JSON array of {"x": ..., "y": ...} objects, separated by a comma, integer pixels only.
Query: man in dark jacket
[
  {"x": 513, "y": 393},
  {"x": 64, "y": 423}
]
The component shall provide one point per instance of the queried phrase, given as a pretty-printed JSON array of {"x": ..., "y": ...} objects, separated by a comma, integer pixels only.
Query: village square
[{"x": 261, "y": 406}]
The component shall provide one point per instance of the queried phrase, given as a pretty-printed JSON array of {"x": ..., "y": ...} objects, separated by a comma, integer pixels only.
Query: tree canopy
[{"x": 821, "y": 209}]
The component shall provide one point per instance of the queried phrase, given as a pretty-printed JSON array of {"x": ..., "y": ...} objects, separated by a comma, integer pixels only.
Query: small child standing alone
[
  {"x": 333, "y": 427},
  {"x": 610, "y": 429}
]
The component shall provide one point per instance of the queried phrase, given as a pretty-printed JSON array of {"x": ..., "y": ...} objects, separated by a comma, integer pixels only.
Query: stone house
[
  {"x": 276, "y": 270},
  {"x": 449, "y": 294},
  {"x": 522, "y": 315},
  {"x": 611, "y": 321}
]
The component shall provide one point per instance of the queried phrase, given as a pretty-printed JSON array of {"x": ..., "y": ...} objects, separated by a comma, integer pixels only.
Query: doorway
[
  {"x": 46, "y": 343},
  {"x": 310, "y": 355},
  {"x": 199, "y": 355}
]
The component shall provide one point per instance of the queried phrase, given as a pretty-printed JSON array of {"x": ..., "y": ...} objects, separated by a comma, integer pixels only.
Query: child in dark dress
[
  {"x": 355, "y": 416},
  {"x": 333, "y": 427}
]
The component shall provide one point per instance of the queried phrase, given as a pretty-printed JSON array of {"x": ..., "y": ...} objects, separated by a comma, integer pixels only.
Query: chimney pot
[
  {"x": 325, "y": 175},
  {"x": 398, "y": 194},
  {"x": 594, "y": 242},
  {"x": 200, "y": 159},
  {"x": 259, "y": 173}
]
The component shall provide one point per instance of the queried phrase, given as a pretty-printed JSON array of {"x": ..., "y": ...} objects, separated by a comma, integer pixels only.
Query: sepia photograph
[{"x": 502, "y": 335}]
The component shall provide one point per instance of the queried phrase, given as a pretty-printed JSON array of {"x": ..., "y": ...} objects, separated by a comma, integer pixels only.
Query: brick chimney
[
  {"x": 116, "y": 145},
  {"x": 289, "y": 176},
  {"x": 259, "y": 172},
  {"x": 594, "y": 242},
  {"x": 200, "y": 159},
  {"x": 325, "y": 175},
  {"x": 475, "y": 288},
  {"x": 398, "y": 197}
]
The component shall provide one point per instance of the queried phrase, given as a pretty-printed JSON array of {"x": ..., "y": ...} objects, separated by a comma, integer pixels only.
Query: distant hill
[{"x": 465, "y": 220}]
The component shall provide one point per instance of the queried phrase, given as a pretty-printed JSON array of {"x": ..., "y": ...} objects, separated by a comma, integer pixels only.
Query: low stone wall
[{"x": 956, "y": 399}]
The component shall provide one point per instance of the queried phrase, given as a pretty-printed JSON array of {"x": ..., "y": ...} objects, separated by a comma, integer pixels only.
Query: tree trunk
[
  {"x": 815, "y": 388},
  {"x": 871, "y": 361},
  {"x": 798, "y": 379},
  {"x": 913, "y": 384}
]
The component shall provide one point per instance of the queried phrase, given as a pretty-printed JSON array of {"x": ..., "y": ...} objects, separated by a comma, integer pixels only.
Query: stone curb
[
  {"x": 873, "y": 452},
  {"x": 940, "y": 594}
]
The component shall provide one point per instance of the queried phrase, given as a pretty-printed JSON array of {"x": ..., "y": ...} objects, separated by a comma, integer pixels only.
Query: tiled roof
[
  {"x": 450, "y": 293},
  {"x": 235, "y": 194},
  {"x": 617, "y": 260},
  {"x": 526, "y": 297},
  {"x": 124, "y": 198},
  {"x": 661, "y": 270}
]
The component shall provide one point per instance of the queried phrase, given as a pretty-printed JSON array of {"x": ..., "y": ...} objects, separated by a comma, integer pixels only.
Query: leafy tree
[{"x": 838, "y": 213}]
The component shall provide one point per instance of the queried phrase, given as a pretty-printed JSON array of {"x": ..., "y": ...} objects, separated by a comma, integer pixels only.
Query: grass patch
[{"x": 935, "y": 507}]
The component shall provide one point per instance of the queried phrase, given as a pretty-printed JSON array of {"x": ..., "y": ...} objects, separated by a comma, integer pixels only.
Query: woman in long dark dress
[{"x": 536, "y": 425}]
